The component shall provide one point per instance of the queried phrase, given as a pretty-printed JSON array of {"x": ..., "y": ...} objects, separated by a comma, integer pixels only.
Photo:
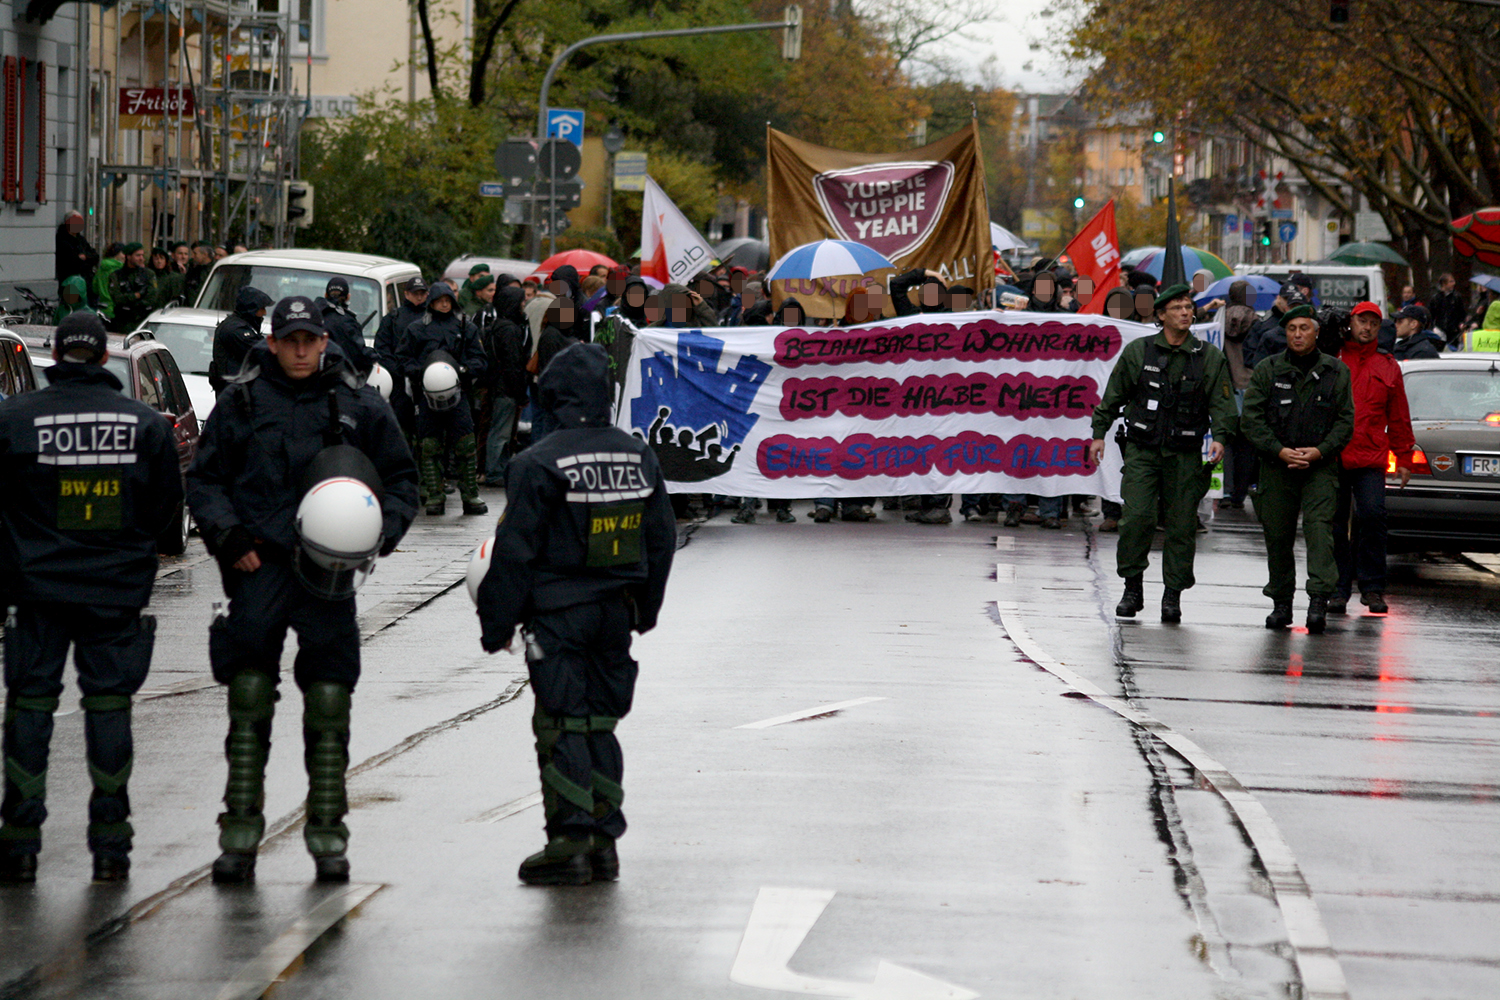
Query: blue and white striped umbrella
[{"x": 827, "y": 259}]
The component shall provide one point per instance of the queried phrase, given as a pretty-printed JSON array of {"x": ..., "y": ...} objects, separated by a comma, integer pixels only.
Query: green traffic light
[
  {"x": 1265, "y": 241},
  {"x": 1158, "y": 136},
  {"x": 1077, "y": 202}
]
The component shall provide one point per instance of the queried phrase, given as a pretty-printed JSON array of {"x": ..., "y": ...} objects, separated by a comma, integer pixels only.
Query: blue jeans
[
  {"x": 1045, "y": 506},
  {"x": 1359, "y": 544}
]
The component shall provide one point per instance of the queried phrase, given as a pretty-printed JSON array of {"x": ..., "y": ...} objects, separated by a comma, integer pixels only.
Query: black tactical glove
[{"x": 233, "y": 544}]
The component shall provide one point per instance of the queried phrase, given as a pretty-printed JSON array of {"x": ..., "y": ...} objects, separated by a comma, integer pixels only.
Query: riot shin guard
[{"x": 325, "y": 734}]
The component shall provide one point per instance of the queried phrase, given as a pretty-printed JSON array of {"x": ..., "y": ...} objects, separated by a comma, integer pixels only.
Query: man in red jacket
[{"x": 1382, "y": 425}]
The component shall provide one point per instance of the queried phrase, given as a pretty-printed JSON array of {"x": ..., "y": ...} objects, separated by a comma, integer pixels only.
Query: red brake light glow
[
  {"x": 1419, "y": 466},
  {"x": 1493, "y": 419}
]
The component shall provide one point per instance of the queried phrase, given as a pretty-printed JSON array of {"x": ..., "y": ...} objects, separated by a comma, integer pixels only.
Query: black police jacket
[
  {"x": 344, "y": 330},
  {"x": 88, "y": 480},
  {"x": 266, "y": 428},
  {"x": 587, "y": 512},
  {"x": 435, "y": 331},
  {"x": 234, "y": 338}
]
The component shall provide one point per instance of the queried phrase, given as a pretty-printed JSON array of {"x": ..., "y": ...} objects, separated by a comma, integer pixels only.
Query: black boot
[
  {"x": 1280, "y": 616},
  {"x": 1317, "y": 614},
  {"x": 563, "y": 861},
  {"x": 331, "y": 868},
  {"x": 1171, "y": 606},
  {"x": 17, "y": 868},
  {"x": 1013, "y": 513},
  {"x": 1134, "y": 599},
  {"x": 1375, "y": 601},
  {"x": 603, "y": 858},
  {"x": 234, "y": 868},
  {"x": 111, "y": 868}
]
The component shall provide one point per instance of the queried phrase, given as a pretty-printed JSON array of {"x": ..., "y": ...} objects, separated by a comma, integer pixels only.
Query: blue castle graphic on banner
[{"x": 694, "y": 416}]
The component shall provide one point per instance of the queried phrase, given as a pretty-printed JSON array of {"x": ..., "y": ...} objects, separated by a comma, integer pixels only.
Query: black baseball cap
[
  {"x": 1416, "y": 312},
  {"x": 415, "y": 284},
  {"x": 1294, "y": 294},
  {"x": 295, "y": 313},
  {"x": 337, "y": 281},
  {"x": 81, "y": 331}
]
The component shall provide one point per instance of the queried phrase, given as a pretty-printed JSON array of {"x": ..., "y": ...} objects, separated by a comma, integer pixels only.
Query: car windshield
[
  {"x": 1453, "y": 395},
  {"x": 118, "y": 365},
  {"x": 280, "y": 282},
  {"x": 192, "y": 346}
]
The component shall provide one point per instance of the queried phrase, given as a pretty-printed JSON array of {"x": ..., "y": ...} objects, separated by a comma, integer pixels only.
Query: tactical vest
[
  {"x": 1299, "y": 422},
  {"x": 1167, "y": 414}
]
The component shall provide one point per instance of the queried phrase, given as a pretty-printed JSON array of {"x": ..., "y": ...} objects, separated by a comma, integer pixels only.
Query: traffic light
[
  {"x": 1338, "y": 11},
  {"x": 1078, "y": 202},
  {"x": 791, "y": 42},
  {"x": 297, "y": 201},
  {"x": 1265, "y": 233},
  {"x": 1158, "y": 137}
]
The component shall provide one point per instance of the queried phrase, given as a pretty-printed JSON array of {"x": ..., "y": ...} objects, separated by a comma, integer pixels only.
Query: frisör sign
[
  {"x": 889, "y": 207},
  {"x": 140, "y": 105}
]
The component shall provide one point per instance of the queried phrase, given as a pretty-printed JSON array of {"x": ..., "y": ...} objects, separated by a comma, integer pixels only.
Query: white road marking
[
  {"x": 264, "y": 970},
  {"x": 807, "y": 713},
  {"x": 779, "y": 923},
  {"x": 509, "y": 809},
  {"x": 1317, "y": 962}
]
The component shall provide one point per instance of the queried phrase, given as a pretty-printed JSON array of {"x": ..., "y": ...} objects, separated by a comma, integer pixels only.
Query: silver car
[{"x": 1453, "y": 501}]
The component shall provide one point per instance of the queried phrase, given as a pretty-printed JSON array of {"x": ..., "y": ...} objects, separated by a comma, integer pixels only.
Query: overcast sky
[{"x": 1009, "y": 40}]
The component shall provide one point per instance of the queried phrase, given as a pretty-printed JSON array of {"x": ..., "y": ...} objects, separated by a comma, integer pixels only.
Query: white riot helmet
[
  {"x": 340, "y": 524},
  {"x": 479, "y": 566},
  {"x": 440, "y": 385},
  {"x": 381, "y": 380}
]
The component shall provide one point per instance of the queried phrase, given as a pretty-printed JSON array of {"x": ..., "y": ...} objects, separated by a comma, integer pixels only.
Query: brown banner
[{"x": 921, "y": 207}]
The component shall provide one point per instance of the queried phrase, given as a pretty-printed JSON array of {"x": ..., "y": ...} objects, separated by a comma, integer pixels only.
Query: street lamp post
[{"x": 614, "y": 141}]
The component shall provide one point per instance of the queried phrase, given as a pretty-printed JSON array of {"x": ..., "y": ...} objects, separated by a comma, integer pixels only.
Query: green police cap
[
  {"x": 131, "y": 248},
  {"x": 477, "y": 268},
  {"x": 1297, "y": 312},
  {"x": 1172, "y": 292}
]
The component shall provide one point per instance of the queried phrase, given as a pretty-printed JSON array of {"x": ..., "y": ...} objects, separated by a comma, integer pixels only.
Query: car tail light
[
  {"x": 1493, "y": 419},
  {"x": 1419, "y": 466}
]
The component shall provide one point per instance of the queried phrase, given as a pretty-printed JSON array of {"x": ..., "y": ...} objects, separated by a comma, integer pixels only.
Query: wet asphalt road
[{"x": 937, "y": 816}]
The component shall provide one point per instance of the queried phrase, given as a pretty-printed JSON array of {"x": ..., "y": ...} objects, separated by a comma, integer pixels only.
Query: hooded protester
[
  {"x": 342, "y": 326},
  {"x": 1041, "y": 292},
  {"x": 568, "y": 275},
  {"x": 686, "y": 309},
  {"x": 563, "y": 326},
  {"x": 789, "y": 313},
  {"x": 580, "y": 570},
  {"x": 236, "y": 335},
  {"x": 502, "y": 334},
  {"x": 618, "y": 337},
  {"x": 444, "y": 339},
  {"x": 132, "y": 289},
  {"x": 114, "y": 259},
  {"x": 932, "y": 294},
  {"x": 75, "y": 255},
  {"x": 72, "y": 297}
]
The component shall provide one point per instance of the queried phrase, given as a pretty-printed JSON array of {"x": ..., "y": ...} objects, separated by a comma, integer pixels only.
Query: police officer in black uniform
[
  {"x": 236, "y": 335},
  {"x": 444, "y": 333},
  {"x": 343, "y": 327},
  {"x": 295, "y": 397},
  {"x": 580, "y": 559},
  {"x": 88, "y": 479},
  {"x": 388, "y": 339}
]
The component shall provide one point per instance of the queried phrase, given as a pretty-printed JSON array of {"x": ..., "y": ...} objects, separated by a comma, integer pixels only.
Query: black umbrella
[{"x": 746, "y": 252}]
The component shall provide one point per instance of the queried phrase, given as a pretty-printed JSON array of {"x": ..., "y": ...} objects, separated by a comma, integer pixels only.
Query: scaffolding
[{"x": 218, "y": 82}]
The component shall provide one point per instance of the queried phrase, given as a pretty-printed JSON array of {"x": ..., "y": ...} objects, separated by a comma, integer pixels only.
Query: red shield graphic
[{"x": 889, "y": 207}]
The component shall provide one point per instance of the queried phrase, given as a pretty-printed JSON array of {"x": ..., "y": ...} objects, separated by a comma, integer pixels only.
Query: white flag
[{"x": 672, "y": 251}]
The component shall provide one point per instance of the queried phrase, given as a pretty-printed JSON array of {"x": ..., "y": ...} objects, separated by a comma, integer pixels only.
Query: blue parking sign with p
[{"x": 566, "y": 123}]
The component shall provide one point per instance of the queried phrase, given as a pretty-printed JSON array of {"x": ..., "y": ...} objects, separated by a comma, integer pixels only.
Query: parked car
[
  {"x": 1337, "y": 285},
  {"x": 17, "y": 374},
  {"x": 374, "y": 282},
  {"x": 148, "y": 372},
  {"x": 1452, "y": 503},
  {"x": 189, "y": 335}
]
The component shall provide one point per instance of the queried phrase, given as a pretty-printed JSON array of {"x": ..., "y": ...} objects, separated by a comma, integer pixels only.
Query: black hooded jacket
[
  {"x": 265, "y": 430},
  {"x": 558, "y": 335},
  {"x": 436, "y": 331},
  {"x": 587, "y": 512},
  {"x": 388, "y": 338},
  {"x": 635, "y": 314},
  {"x": 502, "y": 335},
  {"x": 568, "y": 275},
  {"x": 236, "y": 335},
  {"x": 779, "y": 319},
  {"x": 83, "y": 533},
  {"x": 902, "y": 283}
]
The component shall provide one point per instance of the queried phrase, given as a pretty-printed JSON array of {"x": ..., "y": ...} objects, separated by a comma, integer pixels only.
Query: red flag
[{"x": 1096, "y": 254}]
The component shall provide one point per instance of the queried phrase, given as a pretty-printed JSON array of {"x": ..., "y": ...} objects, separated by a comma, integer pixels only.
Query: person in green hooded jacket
[
  {"x": 114, "y": 259},
  {"x": 73, "y": 296}
]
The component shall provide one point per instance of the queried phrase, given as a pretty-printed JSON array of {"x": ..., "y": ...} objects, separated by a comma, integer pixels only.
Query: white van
[
  {"x": 374, "y": 282},
  {"x": 1336, "y": 285}
]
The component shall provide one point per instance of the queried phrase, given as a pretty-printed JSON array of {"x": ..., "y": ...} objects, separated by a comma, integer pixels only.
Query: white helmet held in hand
[
  {"x": 479, "y": 566},
  {"x": 340, "y": 524},
  {"x": 381, "y": 380},
  {"x": 440, "y": 386}
]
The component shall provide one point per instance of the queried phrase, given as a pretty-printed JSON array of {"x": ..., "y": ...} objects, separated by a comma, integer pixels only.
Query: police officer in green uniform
[
  {"x": 1173, "y": 389},
  {"x": 1299, "y": 413}
]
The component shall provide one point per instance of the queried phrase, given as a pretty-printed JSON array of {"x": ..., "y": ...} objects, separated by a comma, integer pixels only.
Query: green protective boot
[
  {"x": 252, "y": 704},
  {"x": 466, "y": 458},
  {"x": 429, "y": 463},
  {"x": 564, "y": 861},
  {"x": 107, "y": 732},
  {"x": 28, "y": 730},
  {"x": 325, "y": 734}
]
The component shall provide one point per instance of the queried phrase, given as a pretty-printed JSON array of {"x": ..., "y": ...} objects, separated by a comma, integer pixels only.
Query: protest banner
[
  {"x": 982, "y": 402},
  {"x": 921, "y": 207}
]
